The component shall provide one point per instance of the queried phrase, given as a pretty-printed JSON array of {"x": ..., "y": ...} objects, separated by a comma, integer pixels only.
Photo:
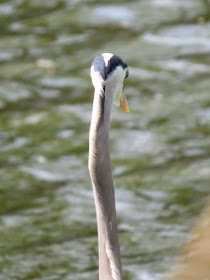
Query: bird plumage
[{"x": 108, "y": 72}]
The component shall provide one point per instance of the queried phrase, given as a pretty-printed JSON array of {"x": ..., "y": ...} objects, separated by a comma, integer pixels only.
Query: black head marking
[
  {"x": 105, "y": 70},
  {"x": 113, "y": 63}
]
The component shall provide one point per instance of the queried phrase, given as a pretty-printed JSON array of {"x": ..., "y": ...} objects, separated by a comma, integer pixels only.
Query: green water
[{"x": 160, "y": 150}]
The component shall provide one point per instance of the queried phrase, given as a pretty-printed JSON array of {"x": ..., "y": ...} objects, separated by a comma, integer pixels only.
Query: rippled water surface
[{"x": 160, "y": 150}]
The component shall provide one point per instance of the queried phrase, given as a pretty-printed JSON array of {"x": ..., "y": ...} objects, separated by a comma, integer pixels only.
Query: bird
[{"x": 108, "y": 72}]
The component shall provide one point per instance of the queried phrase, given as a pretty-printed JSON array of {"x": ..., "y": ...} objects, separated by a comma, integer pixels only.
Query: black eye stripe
[
  {"x": 106, "y": 70},
  {"x": 113, "y": 63}
]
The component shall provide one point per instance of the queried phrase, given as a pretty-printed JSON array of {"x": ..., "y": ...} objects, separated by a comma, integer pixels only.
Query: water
[{"x": 160, "y": 150}]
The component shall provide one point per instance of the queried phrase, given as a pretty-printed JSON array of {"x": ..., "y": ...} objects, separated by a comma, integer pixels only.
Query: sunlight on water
[{"x": 160, "y": 150}]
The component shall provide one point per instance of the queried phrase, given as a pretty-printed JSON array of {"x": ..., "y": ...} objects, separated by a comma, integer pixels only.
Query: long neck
[{"x": 103, "y": 188}]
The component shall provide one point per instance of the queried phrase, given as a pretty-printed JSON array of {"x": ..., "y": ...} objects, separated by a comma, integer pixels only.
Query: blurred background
[{"x": 160, "y": 150}]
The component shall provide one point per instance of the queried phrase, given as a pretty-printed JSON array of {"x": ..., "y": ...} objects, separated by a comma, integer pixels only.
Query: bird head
[{"x": 111, "y": 71}]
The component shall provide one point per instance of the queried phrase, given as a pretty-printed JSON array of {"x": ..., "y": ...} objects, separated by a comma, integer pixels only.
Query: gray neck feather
[{"x": 103, "y": 187}]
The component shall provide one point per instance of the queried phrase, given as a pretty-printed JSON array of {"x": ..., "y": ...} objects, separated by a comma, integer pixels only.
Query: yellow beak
[{"x": 124, "y": 103}]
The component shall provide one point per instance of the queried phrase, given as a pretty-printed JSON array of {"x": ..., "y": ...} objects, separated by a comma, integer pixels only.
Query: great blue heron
[{"x": 108, "y": 72}]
